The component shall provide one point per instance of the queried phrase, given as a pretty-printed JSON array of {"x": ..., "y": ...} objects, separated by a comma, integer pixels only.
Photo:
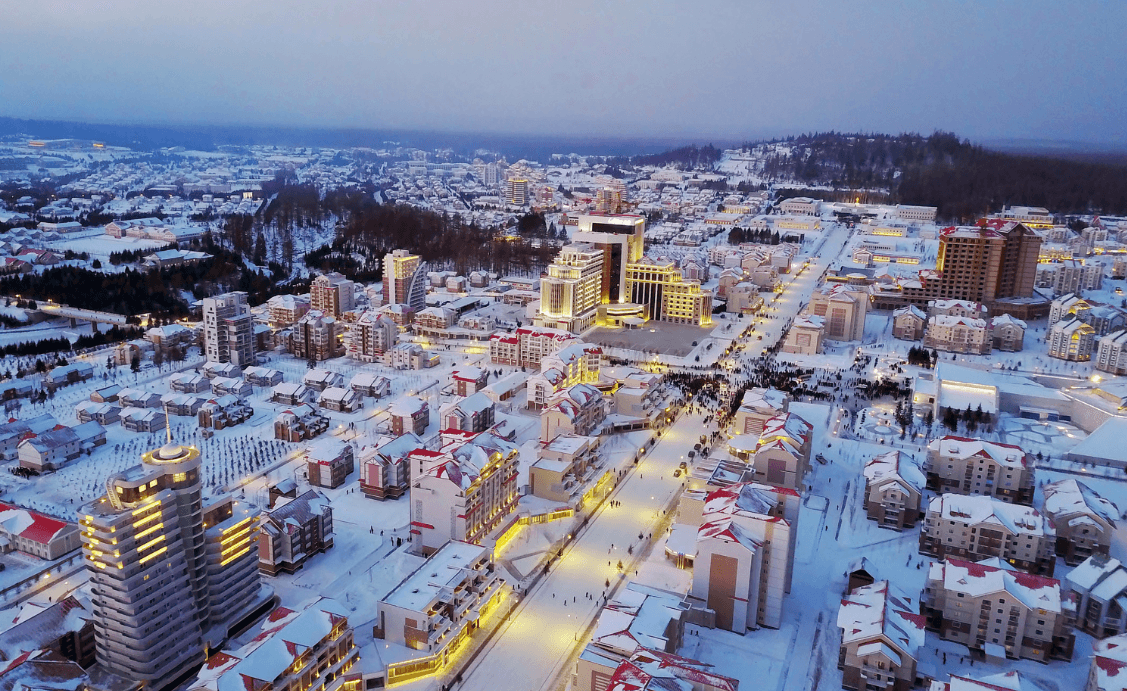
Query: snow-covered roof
[
  {"x": 895, "y": 466},
  {"x": 30, "y": 525},
  {"x": 881, "y": 612},
  {"x": 443, "y": 570},
  {"x": 1066, "y": 499},
  {"x": 638, "y": 617},
  {"x": 963, "y": 448},
  {"x": 980, "y": 510},
  {"x": 1109, "y": 663},
  {"x": 978, "y": 580}
]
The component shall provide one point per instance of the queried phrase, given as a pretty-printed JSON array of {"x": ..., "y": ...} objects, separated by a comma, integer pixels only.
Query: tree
[
  {"x": 135, "y": 363},
  {"x": 96, "y": 264},
  {"x": 950, "y": 419}
]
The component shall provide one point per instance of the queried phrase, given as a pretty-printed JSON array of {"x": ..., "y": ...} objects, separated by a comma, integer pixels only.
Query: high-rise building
[
  {"x": 171, "y": 577},
  {"x": 492, "y": 174},
  {"x": 619, "y": 236},
  {"x": 332, "y": 294},
  {"x": 609, "y": 200},
  {"x": 404, "y": 280},
  {"x": 668, "y": 297},
  {"x": 572, "y": 290},
  {"x": 228, "y": 329},
  {"x": 315, "y": 337},
  {"x": 516, "y": 191},
  {"x": 371, "y": 336}
]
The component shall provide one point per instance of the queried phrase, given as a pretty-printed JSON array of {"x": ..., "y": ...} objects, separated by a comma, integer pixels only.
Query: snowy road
[{"x": 546, "y": 630}]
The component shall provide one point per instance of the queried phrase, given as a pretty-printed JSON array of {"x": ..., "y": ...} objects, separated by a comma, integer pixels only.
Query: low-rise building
[
  {"x": 1008, "y": 333},
  {"x": 263, "y": 376},
  {"x": 321, "y": 379},
  {"x": 1111, "y": 353},
  {"x": 894, "y": 484},
  {"x": 757, "y": 406},
  {"x": 287, "y": 309},
  {"x": 293, "y": 532},
  {"x": 102, "y": 413},
  {"x": 222, "y": 412},
  {"x": 299, "y": 422},
  {"x": 881, "y": 634},
  {"x": 908, "y": 323},
  {"x": 189, "y": 381},
  {"x": 290, "y": 393},
  {"x": 843, "y": 308},
  {"x": 409, "y": 414},
  {"x": 441, "y": 603},
  {"x": 385, "y": 469},
  {"x": 329, "y": 462},
  {"x": 1084, "y": 520},
  {"x": 954, "y": 334},
  {"x": 341, "y": 400},
  {"x": 68, "y": 374},
  {"x": 36, "y": 534},
  {"x": 974, "y": 466},
  {"x": 475, "y": 413},
  {"x": 142, "y": 420},
  {"x": 469, "y": 380},
  {"x": 805, "y": 335},
  {"x": 782, "y": 452},
  {"x": 577, "y": 410},
  {"x": 998, "y": 611},
  {"x": 370, "y": 384},
  {"x": 1109, "y": 665},
  {"x": 1100, "y": 587},
  {"x": 222, "y": 386},
  {"x": 561, "y": 467},
  {"x": 410, "y": 356},
  {"x": 1071, "y": 339},
  {"x": 981, "y": 527},
  {"x": 526, "y": 346}
]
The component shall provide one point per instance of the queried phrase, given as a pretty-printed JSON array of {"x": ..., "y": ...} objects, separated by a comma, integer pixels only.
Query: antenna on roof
[{"x": 167, "y": 423}]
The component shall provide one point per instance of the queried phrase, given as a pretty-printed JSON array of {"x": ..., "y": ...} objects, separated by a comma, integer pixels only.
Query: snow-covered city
[{"x": 476, "y": 347}]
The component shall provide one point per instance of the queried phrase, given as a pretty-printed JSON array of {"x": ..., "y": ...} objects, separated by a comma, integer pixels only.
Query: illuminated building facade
[
  {"x": 404, "y": 280},
  {"x": 332, "y": 294},
  {"x": 171, "y": 578},
  {"x": 516, "y": 191},
  {"x": 572, "y": 290},
  {"x": 667, "y": 296},
  {"x": 619, "y": 236}
]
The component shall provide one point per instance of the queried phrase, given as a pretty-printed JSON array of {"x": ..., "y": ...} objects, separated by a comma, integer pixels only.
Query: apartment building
[
  {"x": 409, "y": 414},
  {"x": 561, "y": 468},
  {"x": 958, "y": 335},
  {"x": 843, "y": 307},
  {"x": 293, "y": 532},
  {"x": 881, "y": 634},
  {"x": 575, "y": 363},
  {"x": 222, "y": 412},
  {"x": 474, "y": 413},
  {"x": 332, "y": 295},
  {"x": 782, "y": 452},
  {"x": 578, "y": 410},
  {"x": 310, "y": 650},
  {"x": 981, "y": 527},
  {"x": 1084, "y": 520},
  {"x": 469, "y": 380},
  {"x": 1008, "y": 333},
  {"x": 908, "y": 323},
  {"x": 171, "y": 579},
  {"x": 1099, "y": 585},
  {"x": 463, "y": 491},
  {"x": 998, "y": 611},
  {"x": 1109, "y": 665},
  {"x": 1071, "y": 339},
  {"x": 287, "y": 309},
  {"x": 744, "y": 559},
  {"x": 1111, "y": 353},
  {"x": 371, "y": 336},
  {"x": 526, "y": 346},
  {"x": 404, "y": 280},
  {"x": 299, "y": 422},
  {"x": 329, "y": 462},
  {"x": 974, "y": 466},
  {"x": 315, "y": 337},
  {"x": 228, "y": 329},
  {"x": 894, "y": 484},
  {"x": 370, "y": 384},
  {"x": 385, "y": 470},
  {"x": 908, "y": 212},
  {"x": 757, "y": 406},
  {"x": 440, "y": 603}
]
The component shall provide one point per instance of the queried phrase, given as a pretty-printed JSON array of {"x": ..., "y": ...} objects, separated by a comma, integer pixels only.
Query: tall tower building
[
  {"x": 404, "y": 280},
  {"x": 171, "y": 578},
  {"x": 516, "y": 191},
  {"x": 571, "y": 292},
  {"x": 332, "y": 294},
  {"x": 620, "y": 237},
  {"x": 228, "y": 329}
]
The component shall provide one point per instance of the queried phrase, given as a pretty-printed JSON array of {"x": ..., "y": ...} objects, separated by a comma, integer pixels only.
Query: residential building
[
  {"x": 102, "y": 413},
  {"x": 469, "y": 380},
  {"x": 577, "y": 410},
  {"x": 908, "y": 323},
  {"x": 320, "y": 379},
  {"x": 64, "y": 630},
  {"x": 1008, "y": 333},
  {"x": 575, "y": 363},
  {"x": 908, "y": 212},
  {"x": 262, "y": 376},
  {"x": 189, "y": 381},
  {"x": 329, "y": 462},
  {"x": 1069, "y": 305},
  {"x": 744, "y": 560},
  {"x": 293, "y": 532},
  {"x": 526, "y": 346},
  {"x": 1099, "y": 585},
  {"x": 170, "y": 580},
  {"x": 404, "y": 280},
  {"x": 1071, "y": 339},
  {"x": 894, "y": 484},
  {"x": 170, "y": 335},
  {"x": 370, "y": 384},
  {"x": 957, "y": 308},
  {"x": 228, "y": 329},
  {"x": 372, "y": 335},
  {"x": 981, "y": 527},
  {"x": 385, "y": 470},
  {"x": 998, "y": 611},
  {"x": 1084, "y": 520},
  {"x": 560, "y": 471},
  {"x": 471, "y": 414},
  {"x": 1109, "y": 665},
  {"x": 516, "y": 191},
  {"x": 315, "y": 337},
  {"x": 290, "y": 393},
  {"x": 340, "y": 399},
  {"x": 438, "y": 606},
  {"x": 311, "y": 650},
  {"x": 462, "y": 492},
  {"x": 881, "y": 634},
  {"x": 222, "y": 412},
  {"x": 1111, "y": 353},
  {"x": 287, "y": 309},
  {"x": 14, "y": 431},
  {"x": 142, "y": 420},
  {"x": 650, "y": 670},
  {"x": 37, "y": 534},
  {"x": 410, "y": 356},
  {"x": 1066, "y": 276},
  {"x": 782, "y": 452},
  {"x": 54, "y": 448},
  {"x": 757, "y": 406},
  {"x": 409, "y": 414},
  {"x": 332, "y": 295},
  {"x": 974, "y": 466},
  {"x": 299, "y": 422},
  {"x": 958, "y": 335},
  {"x": 65, "y": 375},
  {"x": 843, "y": 307},
  {"x": 226, "y": 370}
]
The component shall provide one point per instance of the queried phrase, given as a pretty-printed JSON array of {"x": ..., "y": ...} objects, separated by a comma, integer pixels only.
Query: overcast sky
[{"x": 697, "y": 68}]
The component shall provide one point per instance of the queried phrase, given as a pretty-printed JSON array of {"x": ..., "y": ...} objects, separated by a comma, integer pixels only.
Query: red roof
[{"x": 42, "y": 529}]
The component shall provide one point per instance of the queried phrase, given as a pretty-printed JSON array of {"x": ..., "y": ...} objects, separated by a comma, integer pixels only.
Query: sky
[{"x": 705, "y": 68}]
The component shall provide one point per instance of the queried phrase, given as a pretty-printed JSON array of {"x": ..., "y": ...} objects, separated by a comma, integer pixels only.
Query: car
[
  {"x": 677, "y": 473},
  {"x": 692, "y": 453},
  {"x": 683, "y": 465}
]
